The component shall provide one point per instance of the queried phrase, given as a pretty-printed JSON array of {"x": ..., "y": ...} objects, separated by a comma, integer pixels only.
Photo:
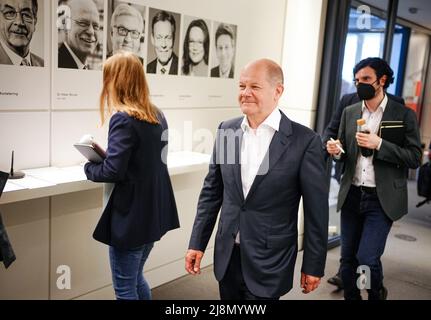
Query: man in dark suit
[
  {"x": 331, "y": 131},
  {"x": 373, "y": 191},
  {"x": 262, "y": 164},
  {"x": 18, "y": 21},
  {"x": 81, "y": 38},
  {"x": 225, "y": 51},
  {"x": 163, "y": 29}
]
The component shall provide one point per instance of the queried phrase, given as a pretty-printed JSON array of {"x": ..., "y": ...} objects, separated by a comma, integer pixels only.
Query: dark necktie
[
  {"x": 163, "y": 70},
  {"x": 25, "y": 62}
]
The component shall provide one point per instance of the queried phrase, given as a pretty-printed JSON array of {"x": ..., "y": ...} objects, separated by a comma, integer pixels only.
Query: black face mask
[{"x": 366, "y": 91}]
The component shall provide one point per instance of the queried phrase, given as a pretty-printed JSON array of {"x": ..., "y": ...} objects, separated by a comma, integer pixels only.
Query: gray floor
[{"x": 407, "y": 265}]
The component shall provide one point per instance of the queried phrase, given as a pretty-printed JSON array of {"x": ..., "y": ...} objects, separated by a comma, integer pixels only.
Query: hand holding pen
[{"x": 334, "y": 147}]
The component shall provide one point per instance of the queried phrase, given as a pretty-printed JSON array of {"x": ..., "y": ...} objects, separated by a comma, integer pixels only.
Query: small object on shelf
[{"x": 13, "y": 175}]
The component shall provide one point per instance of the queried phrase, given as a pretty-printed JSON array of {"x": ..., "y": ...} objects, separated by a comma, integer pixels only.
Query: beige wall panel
[{"x": 27, "y": 224}]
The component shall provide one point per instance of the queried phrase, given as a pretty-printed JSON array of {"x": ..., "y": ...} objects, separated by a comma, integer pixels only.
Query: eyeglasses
[
  {"x": 134, "y": 34},
  {"x": 27, "y": 15},
  {"x": 85, "y": 24}
]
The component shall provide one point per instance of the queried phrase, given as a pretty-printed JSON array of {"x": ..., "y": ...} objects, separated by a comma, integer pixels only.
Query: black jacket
[
  {"x": 6, "y": 252},
  {"x": 331, "y": 130}
]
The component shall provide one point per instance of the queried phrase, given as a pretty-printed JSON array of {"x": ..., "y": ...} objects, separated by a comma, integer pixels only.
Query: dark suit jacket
[
  {"x": 267, "y": 218},
  {"x": 36, "y": 61},
  {"x": 65, "y": 59},
  {"x": 6, "y": 252},
  {"x": 142, "y": 206},
  {"x": 331, "y": 130},
  {"x": 152, "y": 66},
  {"x": 215, "y": 72},
  {"x": 390, "y": 162}
]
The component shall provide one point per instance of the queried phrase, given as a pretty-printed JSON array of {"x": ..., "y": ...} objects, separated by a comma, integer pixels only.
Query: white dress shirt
[
  {"x": 254, "y": 146},
  {"x": 167, "y": 67},
  {"x": 364, "y": 173},
  {"x": 15, "y": 58}
]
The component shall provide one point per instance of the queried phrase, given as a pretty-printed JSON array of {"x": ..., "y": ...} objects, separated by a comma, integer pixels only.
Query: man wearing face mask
[
  {"x": 331, "y": 131},
  {"x": 373, "y": 191}
]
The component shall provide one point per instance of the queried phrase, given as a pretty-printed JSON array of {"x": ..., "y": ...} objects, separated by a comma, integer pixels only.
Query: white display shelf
[{"x": 51, "y": 181}]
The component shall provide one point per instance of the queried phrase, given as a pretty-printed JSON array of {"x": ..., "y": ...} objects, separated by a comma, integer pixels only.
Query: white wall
[
  {"x": 44, "y": 136},
  {"x": 302, "y": 56}
]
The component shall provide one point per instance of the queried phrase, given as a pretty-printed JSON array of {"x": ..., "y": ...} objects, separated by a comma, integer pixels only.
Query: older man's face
[
  {"x": 83, "y": 35},
  {"x": 17, "y": 24},
  {"x": 126, "y": 34},
  {"x": 257, "y": 95},
  {"x": 163, "y": 40}
]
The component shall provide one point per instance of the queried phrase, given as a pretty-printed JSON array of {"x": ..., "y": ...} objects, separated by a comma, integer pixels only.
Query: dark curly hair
[{"x": 380, "y": 66}]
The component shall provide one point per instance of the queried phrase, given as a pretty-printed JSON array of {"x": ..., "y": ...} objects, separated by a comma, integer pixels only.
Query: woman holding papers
[{"x": 141, "y": 208}]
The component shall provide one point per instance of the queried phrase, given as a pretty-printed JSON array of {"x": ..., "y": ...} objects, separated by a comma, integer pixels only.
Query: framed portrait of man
[
  {"x": 223, "y": 50},
  {"x": 80, "y": 34},
  {"x": 22, "y": 33},
  {"x": 163, "y": 44},
  {"x": 126, "y": 28}
]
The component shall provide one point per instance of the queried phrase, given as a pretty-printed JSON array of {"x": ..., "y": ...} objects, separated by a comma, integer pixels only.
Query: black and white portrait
[
  {"x": 224, "y": 49},
  {"x": 164, "y": 29},
  {"x": 196, "y": 47},
  {"x": 80, "y": 34},
  {"x": 126, "y": 28},
  {"x": 22, "y": 33}
]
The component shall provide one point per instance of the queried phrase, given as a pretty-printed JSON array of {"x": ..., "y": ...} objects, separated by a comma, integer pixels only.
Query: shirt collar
[
  {"x": 75, "y": 58},
  {"x": 382, "y": 105},
  {"x": 15, "y": 58},
  {"x": 272, "y": 121},
  {"x": 166, "y": 66},
  {"x": 224, "y": 74}
]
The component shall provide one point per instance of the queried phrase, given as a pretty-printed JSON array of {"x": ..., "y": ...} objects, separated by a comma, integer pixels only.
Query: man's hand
[
  {"x": 368, "y": 140},
  {"x": 309, "y": 283},
  {"x": 193, "y": 261},
  {"x": 331, "y": 147}
]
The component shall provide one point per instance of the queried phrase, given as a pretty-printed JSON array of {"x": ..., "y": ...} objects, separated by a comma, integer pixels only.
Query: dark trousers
[
  {"x": 365, "y": 228},
  {"x": 232, "y": 286}
]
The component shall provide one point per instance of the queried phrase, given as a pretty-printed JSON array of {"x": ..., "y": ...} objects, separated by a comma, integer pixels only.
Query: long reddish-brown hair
[{"x": 125, "y": 88}]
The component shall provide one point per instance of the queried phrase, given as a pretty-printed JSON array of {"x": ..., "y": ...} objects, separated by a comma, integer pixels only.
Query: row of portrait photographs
[{"x": 207, "y": 48}]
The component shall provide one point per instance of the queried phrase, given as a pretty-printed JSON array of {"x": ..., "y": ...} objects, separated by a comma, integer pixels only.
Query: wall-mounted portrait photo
[
  {"x": 163, "y": 47},
  {"x": 80, "y": 34},
  {"x": 126, "y": 28},
  {"x": 196, "y": 47},
  {"x": 21, "y": 33},
  {"x": 224, "y": 49}
]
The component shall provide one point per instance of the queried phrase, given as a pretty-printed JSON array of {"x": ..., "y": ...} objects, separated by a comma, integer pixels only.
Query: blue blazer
[{"x": 142, "y": 206}]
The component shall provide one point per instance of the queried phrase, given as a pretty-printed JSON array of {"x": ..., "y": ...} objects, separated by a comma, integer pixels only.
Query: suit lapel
[
  {"x": 237, "y": 164},
  {"x": 356, "y": 113},
  {"x": 279, "y": 144},
  {"x": 4, "y": 58},
  {"x": 390, "y": 112}
]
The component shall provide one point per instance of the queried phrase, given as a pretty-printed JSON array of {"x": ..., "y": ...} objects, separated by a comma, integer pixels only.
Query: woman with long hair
[
  {"x": 141, "y": 207},
  {"x": 196, "y": 49}
]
